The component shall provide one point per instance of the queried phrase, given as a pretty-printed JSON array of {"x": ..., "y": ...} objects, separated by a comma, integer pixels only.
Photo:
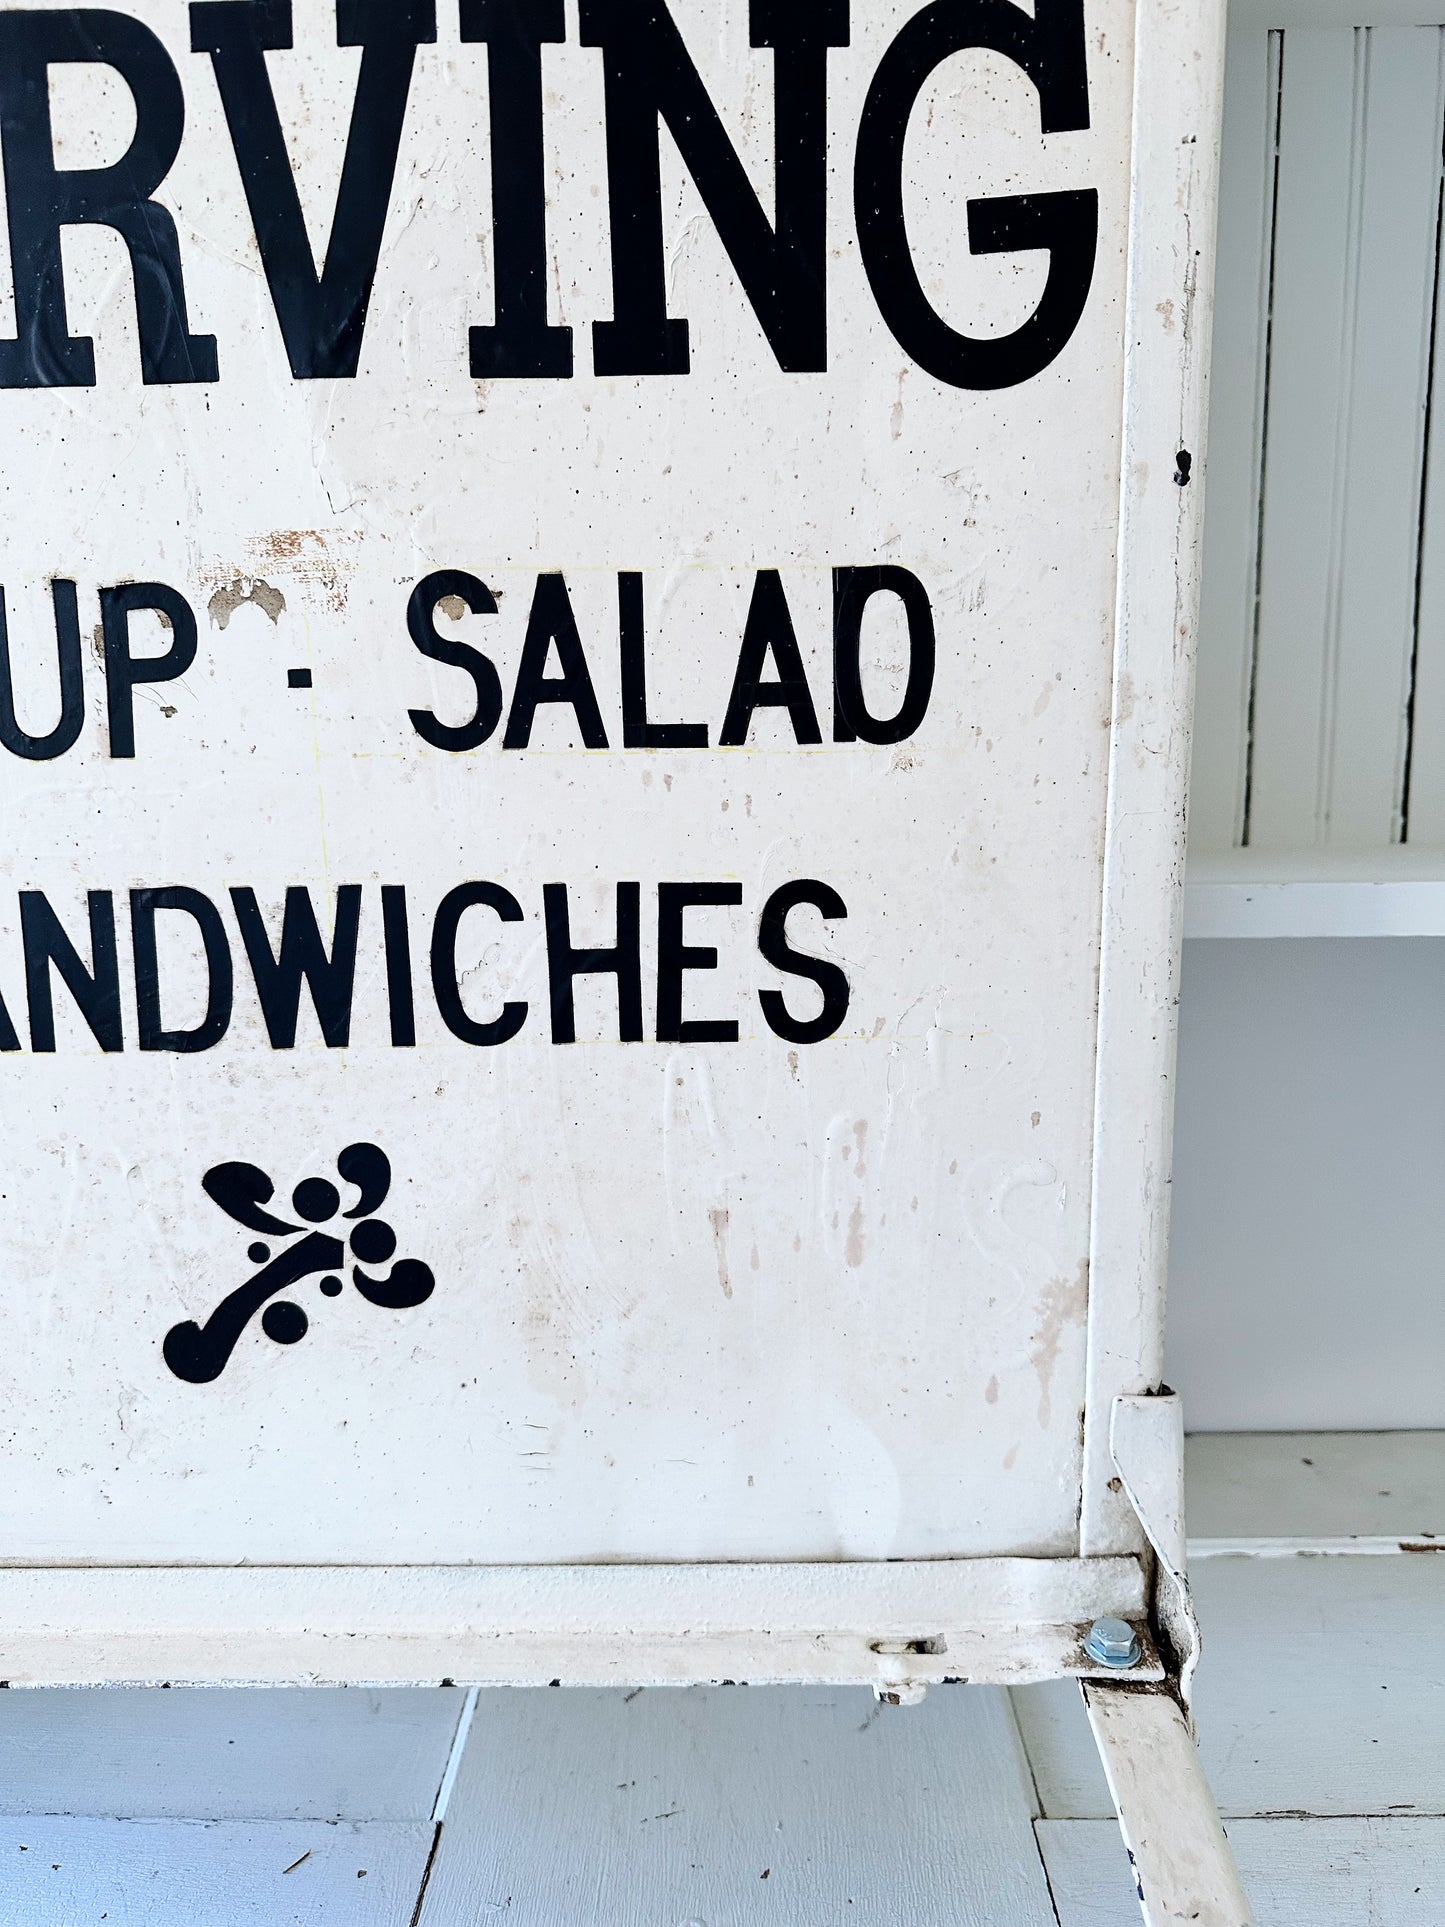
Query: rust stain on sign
[{"x": 718, "y": 1219}]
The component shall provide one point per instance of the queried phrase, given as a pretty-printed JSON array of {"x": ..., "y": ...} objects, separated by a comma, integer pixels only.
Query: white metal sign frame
[
  {"x": 984, "y": 1618},
  {"x": 896, "y": 1625}
]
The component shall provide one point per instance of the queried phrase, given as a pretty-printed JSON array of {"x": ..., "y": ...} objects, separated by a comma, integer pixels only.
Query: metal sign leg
[{"x": 1183, "y": 1867}]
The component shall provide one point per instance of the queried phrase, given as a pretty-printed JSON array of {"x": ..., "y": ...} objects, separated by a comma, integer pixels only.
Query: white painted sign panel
[{"x": 554, "y": 773}]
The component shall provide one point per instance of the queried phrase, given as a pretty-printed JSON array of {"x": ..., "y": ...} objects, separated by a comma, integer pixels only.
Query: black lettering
[
  {"x": 490, "y": 896},
  {"x": 303, "y": 955},
  {"x": 397, "y": 933},
  {"x": 144, "y": 904},
  {"x": 9, "y": 1036},
  {"x": 649, "y": 78},
  {"x": 520, "y": 343},
  {"x": 40, "y": 749},
  {"x": 852, "y": 590},
  {"x": 774, "y": 945},
  {"x": 637, "y": 731},
  {"x": 551, "y": 621},
  {"x": 674, "y": 957},
  {"x": 420, "y": 614},
  {"x": 1049, "y": 46},
  {"x": 123, "y": 670},
  {"x": 322, "y": 317},
  {"x": 41, "y": 199},
  {"x": 96, "y": 991},
  {"x": 623, "y": 961},
  {"x": 769, "y": 627}
]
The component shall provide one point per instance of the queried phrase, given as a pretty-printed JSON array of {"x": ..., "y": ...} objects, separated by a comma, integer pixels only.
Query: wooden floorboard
[
  {"x": 1298, "y": 1873},
  {"x": 1320, "y": 1692},
  {"x": 67, "y": 1872},
  {"x": 1315, "y": 1485},
  {"x": 742, "y": 1806},
  {"x": 298, "y": 1754}
]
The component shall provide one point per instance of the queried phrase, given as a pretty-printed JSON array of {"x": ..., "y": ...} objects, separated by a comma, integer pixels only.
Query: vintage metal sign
[{"x": 557, "y": 707}]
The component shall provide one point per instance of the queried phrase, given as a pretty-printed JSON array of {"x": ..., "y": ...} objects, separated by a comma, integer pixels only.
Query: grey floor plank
[
  {"x": 1320, "y": 1692},
  {"x": 1061, "y": 1751},
  {"x": 63, "y": 1872},
  {"x": 207, "y": 1754},
  {"x": 1297, "y": 1873},
  {"x": 802, "y": 1808},
  {"x": 1322, "y": 1689},
  {"x": 1323, "y": 1485}
]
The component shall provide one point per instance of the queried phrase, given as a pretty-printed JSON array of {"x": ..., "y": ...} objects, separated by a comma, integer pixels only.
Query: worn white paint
[
  {"x": 1177, "y": 1849},
  {"x": 974, "y": 1619},
  {"x": 688, "y": 1305},
  {"x": 1146, "y": 1442},
  {"x": 1178, "y": 79}
]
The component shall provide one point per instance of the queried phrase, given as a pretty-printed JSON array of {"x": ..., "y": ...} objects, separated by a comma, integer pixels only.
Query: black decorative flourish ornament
[{"x": 200, "y": 1353}]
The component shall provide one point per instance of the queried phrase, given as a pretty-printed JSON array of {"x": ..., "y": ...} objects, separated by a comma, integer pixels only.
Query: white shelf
[{"x": 1392, "y": 893}]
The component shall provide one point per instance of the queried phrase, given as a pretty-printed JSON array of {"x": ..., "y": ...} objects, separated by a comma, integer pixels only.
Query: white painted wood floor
[{"x": 1321, "y": 1712}]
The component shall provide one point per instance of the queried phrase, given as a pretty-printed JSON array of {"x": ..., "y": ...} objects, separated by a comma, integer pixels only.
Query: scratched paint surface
[{"x": 716, "y": 1300}]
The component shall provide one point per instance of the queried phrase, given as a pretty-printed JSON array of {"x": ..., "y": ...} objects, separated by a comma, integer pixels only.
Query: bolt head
[{"x": 1112, "y": 1642}]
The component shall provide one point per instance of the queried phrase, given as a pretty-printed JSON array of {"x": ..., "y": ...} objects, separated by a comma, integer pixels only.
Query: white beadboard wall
[{"x": 1321, "y": 694}]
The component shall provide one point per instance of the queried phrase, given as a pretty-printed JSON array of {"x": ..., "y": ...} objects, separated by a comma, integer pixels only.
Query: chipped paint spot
[
  {"x": 895, "y": 418},
  {"x": 240, "y": 590}
]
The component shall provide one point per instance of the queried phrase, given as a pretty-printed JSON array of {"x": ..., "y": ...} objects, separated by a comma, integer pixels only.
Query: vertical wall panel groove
[
  {"x": 1317, "y": 167},
  {"x": 1226, "y": 622},
  {"x": 1276, "y": 76},
  {"x": 1430, "y": 392},
  {"x": 1343, "y": 423},
  {"x": 1424, "y": 802}
]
